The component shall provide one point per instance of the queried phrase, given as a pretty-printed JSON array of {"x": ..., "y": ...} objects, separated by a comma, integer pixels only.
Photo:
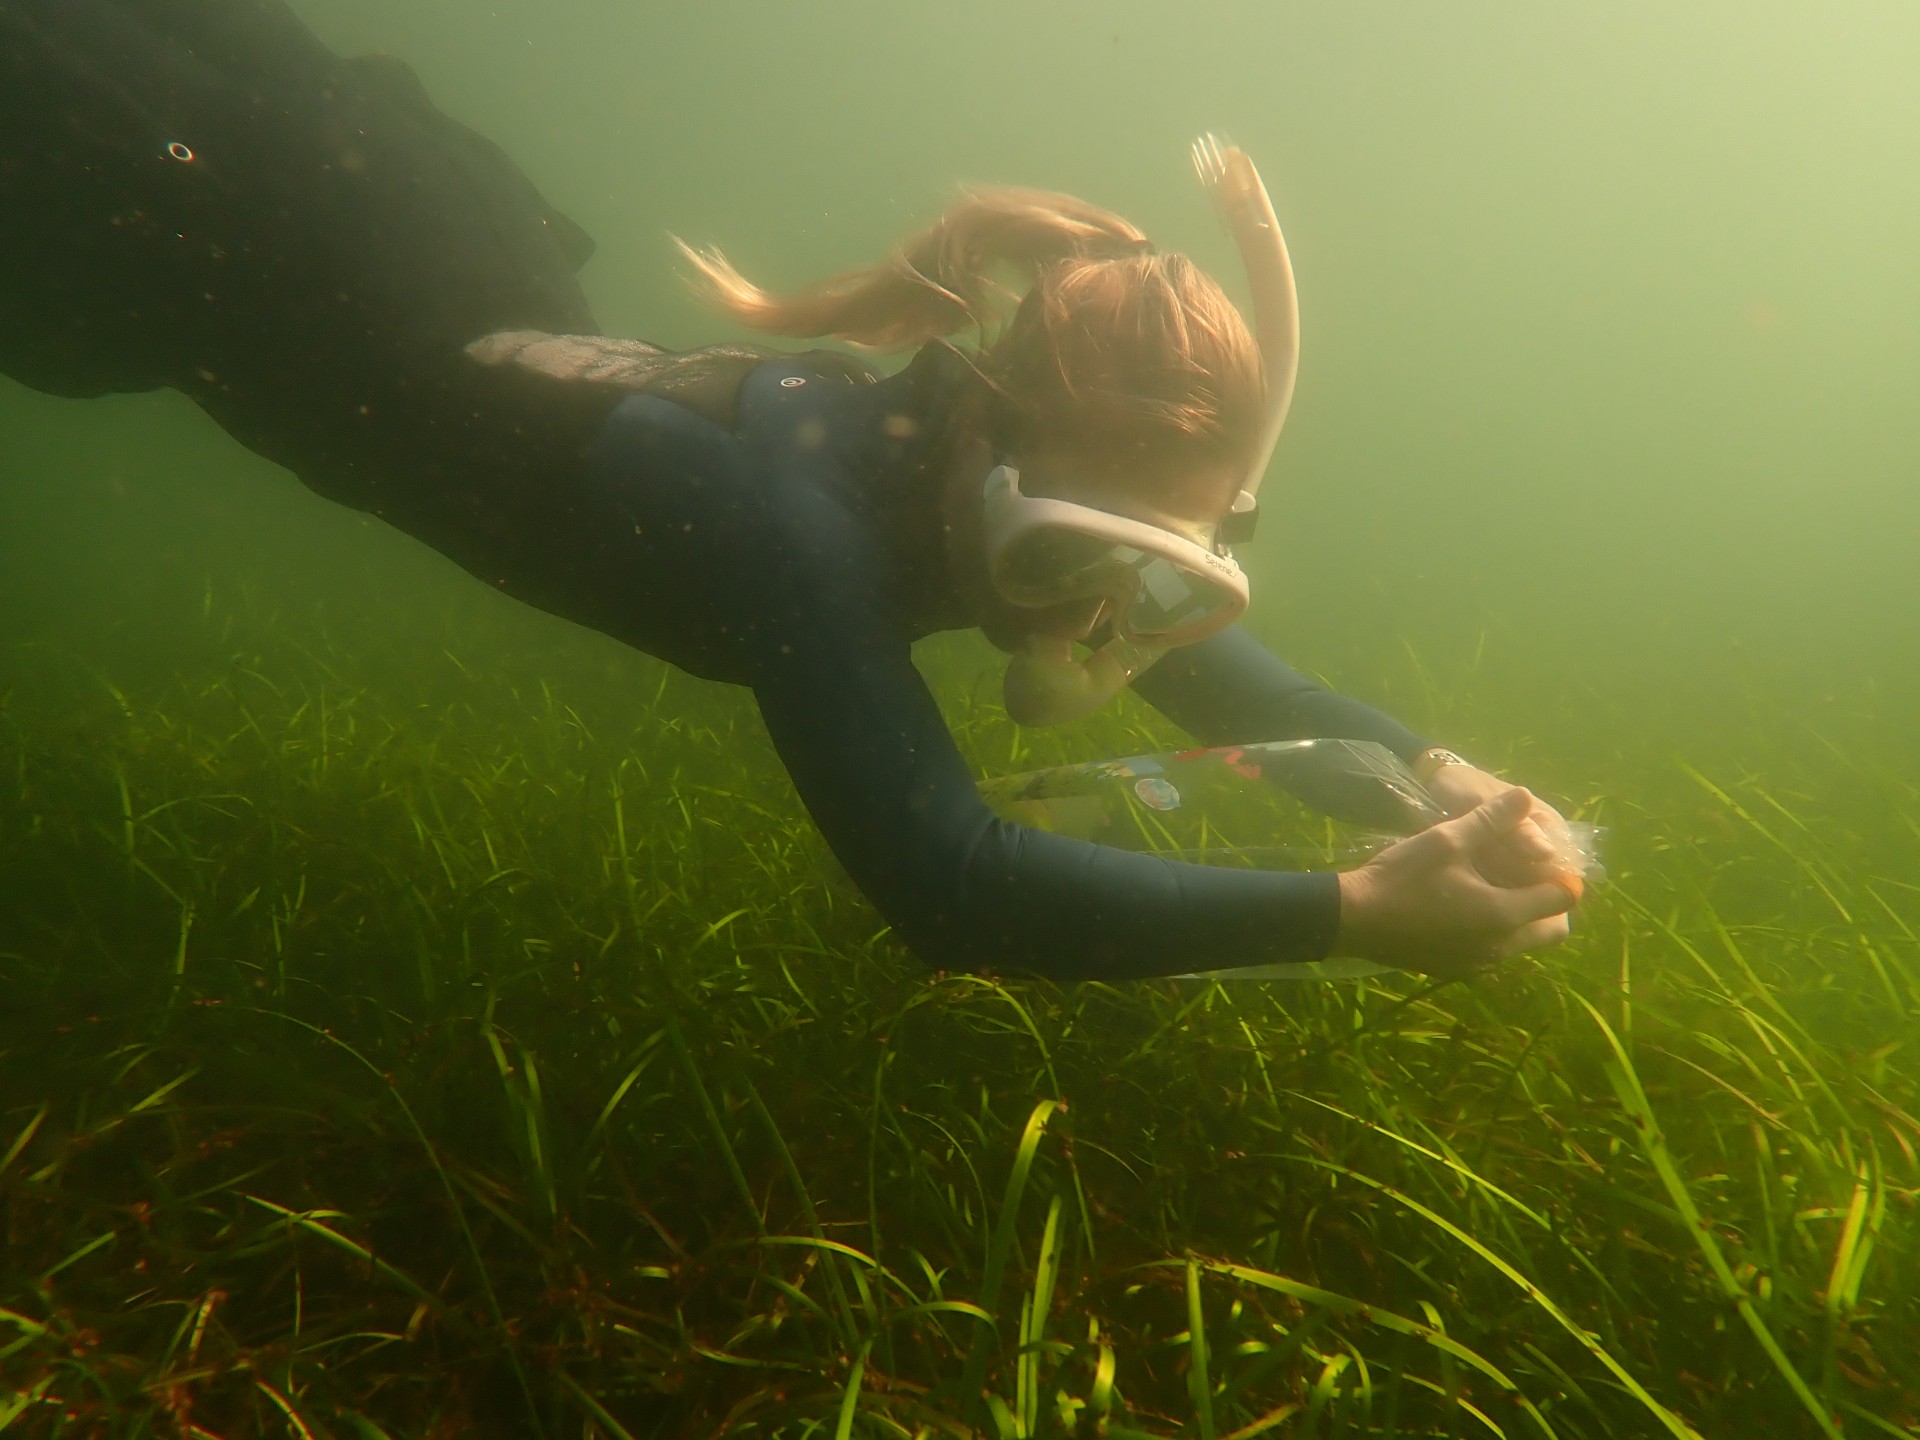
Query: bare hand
[
  {"x": 1540, "y": 848},
  {"x": 1426, "y": 903}
]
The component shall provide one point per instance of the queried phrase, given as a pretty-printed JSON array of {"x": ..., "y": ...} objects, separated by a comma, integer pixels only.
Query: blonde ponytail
[{"x": 937, "y": 282}]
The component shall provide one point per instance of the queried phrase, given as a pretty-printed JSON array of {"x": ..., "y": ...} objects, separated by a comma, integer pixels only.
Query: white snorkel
[
  {"x": 1045, "y": 683},
  {"x": 1227, "y": 173}
]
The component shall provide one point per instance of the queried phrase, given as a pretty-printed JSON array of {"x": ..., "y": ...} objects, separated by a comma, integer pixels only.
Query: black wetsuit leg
[{"x": 199, "y": 194}]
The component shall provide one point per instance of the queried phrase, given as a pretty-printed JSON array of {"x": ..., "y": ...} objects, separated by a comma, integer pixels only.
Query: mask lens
[{"x": 1046, "y": 566}]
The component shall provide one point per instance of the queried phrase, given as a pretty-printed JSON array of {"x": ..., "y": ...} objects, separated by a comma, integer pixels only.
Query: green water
[{"x": 422, "y": 1018}]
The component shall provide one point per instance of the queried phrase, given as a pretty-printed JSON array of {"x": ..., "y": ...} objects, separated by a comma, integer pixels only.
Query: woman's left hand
[{"x": 1539, "y": 848}]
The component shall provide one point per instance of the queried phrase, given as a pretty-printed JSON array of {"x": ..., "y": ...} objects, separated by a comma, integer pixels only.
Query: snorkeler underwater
[{"x": 619, "y": 818}]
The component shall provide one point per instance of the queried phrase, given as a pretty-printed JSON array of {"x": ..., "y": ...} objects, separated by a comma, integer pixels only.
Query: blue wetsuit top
[{"x": 764, "y": 555}]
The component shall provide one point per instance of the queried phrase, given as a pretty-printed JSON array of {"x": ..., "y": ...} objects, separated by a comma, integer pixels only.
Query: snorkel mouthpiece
[{"x": 1047, "y": 685}]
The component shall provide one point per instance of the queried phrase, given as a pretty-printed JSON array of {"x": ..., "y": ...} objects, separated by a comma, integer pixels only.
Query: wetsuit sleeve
[
  {"x": 1232, "y": 690},
  {"x": 876, "y": 766}
]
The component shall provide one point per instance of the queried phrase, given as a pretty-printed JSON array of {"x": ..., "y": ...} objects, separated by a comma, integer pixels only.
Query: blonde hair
[{"x": 1113, "y": 347}]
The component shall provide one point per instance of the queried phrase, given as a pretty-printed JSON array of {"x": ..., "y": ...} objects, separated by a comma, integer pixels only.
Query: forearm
[
  {"x": 1025, "y": 900},
  {"x": 1314, "y": 714},
  {"x": 1232, "y": 690}
]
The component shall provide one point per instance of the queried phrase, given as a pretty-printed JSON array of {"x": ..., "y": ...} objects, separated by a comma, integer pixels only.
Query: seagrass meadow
[{"x": 421, "y": 1019}]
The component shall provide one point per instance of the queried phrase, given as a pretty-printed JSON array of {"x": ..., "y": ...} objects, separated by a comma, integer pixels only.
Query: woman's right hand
[{"x": 1423, "y": 903}]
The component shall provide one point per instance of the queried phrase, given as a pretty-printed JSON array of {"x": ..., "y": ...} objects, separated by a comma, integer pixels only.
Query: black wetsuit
[{"x": 301, "y": 289}]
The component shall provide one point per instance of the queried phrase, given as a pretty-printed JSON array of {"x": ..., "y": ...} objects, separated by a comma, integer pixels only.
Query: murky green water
[{"x": 421, "y": 1017}]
